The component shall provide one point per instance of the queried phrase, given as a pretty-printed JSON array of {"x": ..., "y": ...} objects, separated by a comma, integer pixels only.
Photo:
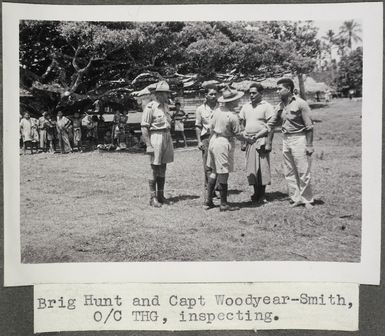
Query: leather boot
[
  {"x": 153, "y": 199},
  {"x": 209, "y": 193},
  {"x": 224, "y": 205},
  {"x": 160, "y": 181},
  {"x": 262, "y": 195},
  {"x": 256, "y": 195}
]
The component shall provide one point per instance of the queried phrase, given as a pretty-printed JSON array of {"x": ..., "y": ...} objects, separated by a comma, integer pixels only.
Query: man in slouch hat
[
  {"x": 156, "y": 125},
  {"x": 225, "y": 128}
]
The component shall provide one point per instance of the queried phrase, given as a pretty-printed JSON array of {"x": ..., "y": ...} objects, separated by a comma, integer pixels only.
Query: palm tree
[
  {"x": 329, "y": 36},
  {"x": 330, "y": 41},
  {"x": 350, "y": 32}
]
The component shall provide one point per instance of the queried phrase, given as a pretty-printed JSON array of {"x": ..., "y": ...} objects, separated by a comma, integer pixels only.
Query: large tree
[
  {"x": 82, "y": 61},
  {"x": 329, "y": 41},
  {"x": 73, "y": 59},
  {"x": 302, "y": 46},
  {"x": 350, "y": 72},
  {"x": 350, "y": 32},
  {"x": 213, "y": 47}
]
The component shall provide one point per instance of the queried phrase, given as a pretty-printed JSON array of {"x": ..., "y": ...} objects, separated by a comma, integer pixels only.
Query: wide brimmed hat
[
  {"x": 229, "y": 95},
  {"x": 162, "y": 86},
  {"x": 152, "y": 87},
  {"x": 143, "y": 92}
]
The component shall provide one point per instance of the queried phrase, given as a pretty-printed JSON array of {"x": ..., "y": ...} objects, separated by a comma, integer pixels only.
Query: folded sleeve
[
  {"x": 306, "y": 115},
  {"x": 198, "y": 118},
  {"x": 269, "y": 112},
  {"x": 274, "y": 120},
  {"x": 146, "y": 117}
]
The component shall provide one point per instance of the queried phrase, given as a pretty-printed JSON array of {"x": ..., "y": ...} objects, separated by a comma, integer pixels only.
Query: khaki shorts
[
  {"x": 221, "y": 155},
  {"x": 163, "y": 149}
]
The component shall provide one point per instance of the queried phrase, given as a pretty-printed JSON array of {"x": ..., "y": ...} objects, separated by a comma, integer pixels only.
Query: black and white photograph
[{"x": 198, "y": 141}]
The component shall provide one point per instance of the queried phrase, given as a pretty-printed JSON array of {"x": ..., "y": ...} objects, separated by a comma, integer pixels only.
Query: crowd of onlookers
[
  {"x": 87, "y": 131},
  {"x": 79, "y": 132}
]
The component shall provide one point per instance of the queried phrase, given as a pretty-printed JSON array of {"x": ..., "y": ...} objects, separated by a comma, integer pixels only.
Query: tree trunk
[{"x": 301, "y": 85}]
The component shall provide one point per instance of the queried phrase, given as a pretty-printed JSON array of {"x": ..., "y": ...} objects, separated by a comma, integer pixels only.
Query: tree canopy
[
  {"x": 68, "y": 63},
  {"x": 341, "y": 58},
  {"x": 350, "y": 71}
]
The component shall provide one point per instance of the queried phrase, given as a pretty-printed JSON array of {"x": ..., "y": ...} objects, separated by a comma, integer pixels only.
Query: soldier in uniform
[
  {"x": 156, "y": 125},
  {"x": 203, "y": 117},
  {"x": 225, "y": 128},
  {"x": 297, "y": 136}
]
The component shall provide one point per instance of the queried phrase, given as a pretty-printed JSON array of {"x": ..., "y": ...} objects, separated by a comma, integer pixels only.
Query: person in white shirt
[
  {"x": 203, "y": 117},
  {"x": 254, "y": 116}
]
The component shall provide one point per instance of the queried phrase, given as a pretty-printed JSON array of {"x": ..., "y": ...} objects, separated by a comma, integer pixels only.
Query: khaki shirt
[
  {"x": 225, "y": 123},
  {"x": 256, "y": 117},
  {"x": 203, "y": 116},
  {"x": 156, "y": 116},
  {"x": 295, "y": 116}
]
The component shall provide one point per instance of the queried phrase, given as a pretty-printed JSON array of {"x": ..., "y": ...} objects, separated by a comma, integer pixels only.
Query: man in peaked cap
[
  {"x": 225, "y": 128},
  {"x": 156, "y": 125}
]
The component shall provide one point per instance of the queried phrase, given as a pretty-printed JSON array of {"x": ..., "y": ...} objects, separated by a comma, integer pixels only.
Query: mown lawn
[{"x": 93, "y": 207}]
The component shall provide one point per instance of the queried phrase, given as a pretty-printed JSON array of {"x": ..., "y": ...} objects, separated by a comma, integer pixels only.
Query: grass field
[{"x": 93, "y": 207}]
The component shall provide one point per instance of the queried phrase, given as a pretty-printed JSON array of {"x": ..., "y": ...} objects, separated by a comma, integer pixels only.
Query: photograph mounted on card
[{"x": 205, "y": 143}]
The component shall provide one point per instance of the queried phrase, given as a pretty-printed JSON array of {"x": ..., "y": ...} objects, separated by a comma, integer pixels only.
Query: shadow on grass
[
  {"x": 244, "y": 204},
  {"x": 281, "y": 197},
  {"x": 190, "y": 143},
  {"x": 277, "y": 196},
  {"x": 315, "y": 203},
  {"x": 234, "y": 192},
  {"x": 179, "y": 198},
  {"x": 120, "y": 152}
]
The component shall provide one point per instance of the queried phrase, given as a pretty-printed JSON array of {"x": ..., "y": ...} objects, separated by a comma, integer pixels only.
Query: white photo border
[{"x": 367, "y": 271}]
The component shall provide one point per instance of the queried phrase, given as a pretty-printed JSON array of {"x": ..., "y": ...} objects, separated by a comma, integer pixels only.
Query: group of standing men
[
  {"x": 45, "y": 131},
  {"x": 217, "y": 127}
]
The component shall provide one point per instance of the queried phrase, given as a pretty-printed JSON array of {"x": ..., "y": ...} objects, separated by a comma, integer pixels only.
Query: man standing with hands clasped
[
  {"x": 156, "y": 124},
  {"x": 297, "y": 133},
  {"x": 254, "y": 116}
]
